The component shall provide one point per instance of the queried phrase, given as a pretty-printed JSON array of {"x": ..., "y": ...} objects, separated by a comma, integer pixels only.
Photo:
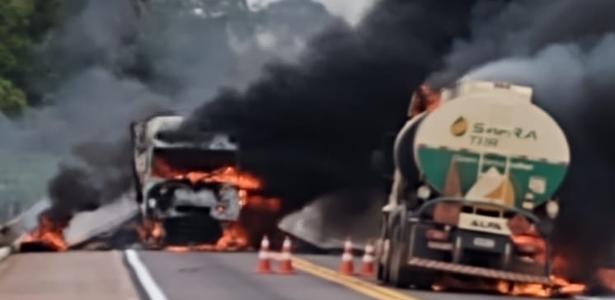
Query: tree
[
  {"x": 23, "y": 23},
  {"x": 12, "y": 99}
]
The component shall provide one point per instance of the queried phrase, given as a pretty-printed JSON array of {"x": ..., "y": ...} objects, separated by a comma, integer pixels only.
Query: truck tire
[
  {"x": 383, "y": 254},
  {"x": 402, "y": 275},
  {"x": 398, "y": 270}
]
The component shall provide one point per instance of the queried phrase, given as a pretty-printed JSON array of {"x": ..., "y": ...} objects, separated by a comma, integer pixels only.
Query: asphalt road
[
  {"x": 164, "y": 275},
  {"x": 66, "y": 276}
]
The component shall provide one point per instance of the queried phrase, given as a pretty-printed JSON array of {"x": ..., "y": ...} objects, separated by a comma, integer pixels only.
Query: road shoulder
[{"x": 5, "y": 252}]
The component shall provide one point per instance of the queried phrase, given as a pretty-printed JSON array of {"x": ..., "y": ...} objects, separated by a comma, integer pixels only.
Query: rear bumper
[
  {"x": 495, "y": 257},
  {"x": 476, "y": 271}
]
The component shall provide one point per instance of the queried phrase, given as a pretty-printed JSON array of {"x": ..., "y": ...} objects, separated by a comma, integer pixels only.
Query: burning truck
[
  {"x": 477, "y": 170},
  {"x": 189, "y": 186}
]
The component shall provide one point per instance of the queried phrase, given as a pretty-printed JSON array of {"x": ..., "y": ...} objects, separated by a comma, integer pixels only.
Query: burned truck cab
[{"x": 188, "y": 185}]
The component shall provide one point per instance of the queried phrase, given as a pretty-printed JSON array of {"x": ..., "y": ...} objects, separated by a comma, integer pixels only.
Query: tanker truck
[
  {"x": 477, "y": 169},
  {"x": 188, "y": 185}
]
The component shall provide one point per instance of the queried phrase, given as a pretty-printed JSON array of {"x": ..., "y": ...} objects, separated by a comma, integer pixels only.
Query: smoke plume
[
  {"x": 309, "y": 127},
  {"x": 112, "y": 62}
]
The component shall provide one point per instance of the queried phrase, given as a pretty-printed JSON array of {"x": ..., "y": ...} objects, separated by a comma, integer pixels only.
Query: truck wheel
[
  {"x": 383, "y": 255},
  {"x": 401, "y": 274},
  {"x": 398, "y": 270}
]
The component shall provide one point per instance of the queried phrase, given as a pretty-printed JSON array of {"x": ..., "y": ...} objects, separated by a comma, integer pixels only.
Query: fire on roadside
[
  {"x": 605, "y": 278},
  {"x": 234, "y": 238},
  {"x": 558, "y": 287},
  {"x": 48, "y": 236}
]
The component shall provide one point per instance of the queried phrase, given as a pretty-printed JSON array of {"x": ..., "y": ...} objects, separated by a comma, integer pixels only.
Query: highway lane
[
  {"x": 66, "y": 276},
  {"x": 332, "y": 262},
  {"x": 233, "y": 276},
  {"x": 178, "y": 276}
]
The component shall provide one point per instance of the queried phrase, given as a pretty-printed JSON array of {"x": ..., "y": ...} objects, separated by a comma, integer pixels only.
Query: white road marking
[{"x": 145, "y": 278}]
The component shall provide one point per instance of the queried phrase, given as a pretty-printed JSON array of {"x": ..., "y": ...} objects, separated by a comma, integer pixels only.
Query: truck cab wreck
[
  {"x": 477, "y": 168},
  {"x": 189, "y": 186}
]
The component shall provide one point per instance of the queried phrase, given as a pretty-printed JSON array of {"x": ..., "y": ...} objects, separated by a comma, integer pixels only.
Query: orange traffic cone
[
  {"x": 286, "y": 259},
  {"x": 347, "y": 264},
  {"x": 367, "y": 262},
  {"x": 264, "y": 264}
]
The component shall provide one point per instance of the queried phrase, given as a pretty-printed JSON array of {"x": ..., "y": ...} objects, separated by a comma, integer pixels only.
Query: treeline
[{"x": 23, "y": 26}]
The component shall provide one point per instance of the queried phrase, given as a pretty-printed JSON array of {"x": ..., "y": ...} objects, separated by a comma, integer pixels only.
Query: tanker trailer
[
  {"x": 188, "y": 185},
  {"x": 477, "y": 168}
]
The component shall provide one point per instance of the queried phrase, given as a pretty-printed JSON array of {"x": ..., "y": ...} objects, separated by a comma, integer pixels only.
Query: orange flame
[
  {"x": 234, "y": 238},
  {"x": 534, "y": 246},
  {"x": 530, "y": 290},
  {"x": 425, "y": 99},
  {"x": 558, "y": 287},
  {"x": 48, "y": 234},
  {"x": 606, "y": 278},
  {"x": 228, "y": 175}
]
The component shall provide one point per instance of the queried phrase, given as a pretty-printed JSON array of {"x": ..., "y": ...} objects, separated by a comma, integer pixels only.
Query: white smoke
[{"x": 352, "y": 11}]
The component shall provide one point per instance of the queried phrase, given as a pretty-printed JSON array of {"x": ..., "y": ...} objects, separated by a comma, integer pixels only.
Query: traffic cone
[
  {"x": 347, "y": 264},
  {"x": 264, "y": 264},
  {"x": 286, "y": 259},
  {"x": 367, "y": 262}
]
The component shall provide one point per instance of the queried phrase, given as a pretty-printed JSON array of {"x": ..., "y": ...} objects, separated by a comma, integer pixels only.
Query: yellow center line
[{"x": 364, "y": 287}]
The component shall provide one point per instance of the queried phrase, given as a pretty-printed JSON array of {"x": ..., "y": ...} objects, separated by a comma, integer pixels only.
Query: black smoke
[
  {"x": 113, "y": 62},
  {"x": 102, "y": 173},
  {"x": 310, "y": 127}
]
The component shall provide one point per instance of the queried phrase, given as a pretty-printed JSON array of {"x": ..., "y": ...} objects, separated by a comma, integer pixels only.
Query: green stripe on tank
[{"x": 435, "y": 163}]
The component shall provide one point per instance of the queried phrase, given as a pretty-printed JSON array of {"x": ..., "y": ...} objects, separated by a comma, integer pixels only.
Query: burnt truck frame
[
  {"x": 188, "y": 213},
  {"x": 426, "y": 233}
]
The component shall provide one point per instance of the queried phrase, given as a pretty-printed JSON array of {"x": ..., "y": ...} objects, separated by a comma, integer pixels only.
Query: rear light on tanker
[
  {"x": 423, "y": 192},
  {"x": 552, "y": 209}
]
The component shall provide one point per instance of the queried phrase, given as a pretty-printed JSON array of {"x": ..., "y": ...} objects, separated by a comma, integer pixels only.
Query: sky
[{"x": 351, "y": 10}]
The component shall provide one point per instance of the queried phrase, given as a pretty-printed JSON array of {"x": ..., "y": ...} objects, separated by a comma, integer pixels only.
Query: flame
[
  {"x": 425, "y": 99},
  {"x": 151, "y": 232},
  {"x": 234, "y": 238},
  {"x": 178, "y": 249},
  {"x": 228, "y": 175},
  {"x": 530, "y": 290},
  {"x": 534, "y": 248},
  {"x": 558, "y": 287},
  {"x": 48, "y": 234},
  {"x": 532, "y": 245},
  {"x": 565, "y": 287},
  {"x": 234, "y": 235},
  {"x": 606, "y": 278}
]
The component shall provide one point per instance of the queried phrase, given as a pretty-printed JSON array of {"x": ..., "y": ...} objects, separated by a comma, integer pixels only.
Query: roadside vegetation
[{"x": 23, "y": 26}]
